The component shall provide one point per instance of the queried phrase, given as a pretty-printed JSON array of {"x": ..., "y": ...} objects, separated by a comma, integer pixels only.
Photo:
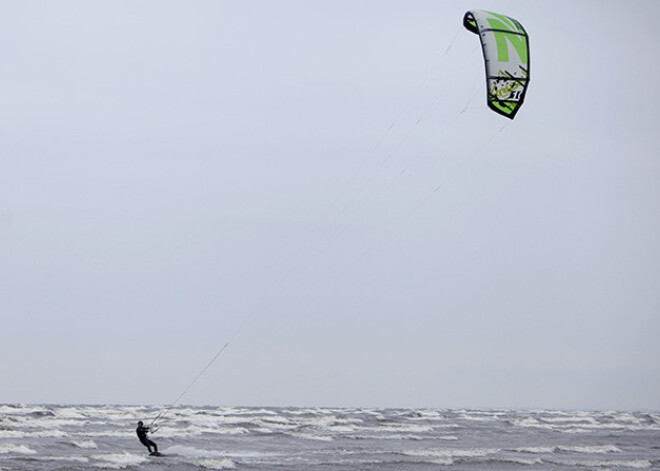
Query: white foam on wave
[
  {"x": 243, "y": 454},
  {"x": 104, "y": 433},
  {"x": 208, "y": 459},
  {"x": 331, "y": 421},
  {"x": 534, "y": 449},
  {"x": 531, "y": 422},
  {"x": 570, "y": 420},
  {"x": 70, "y": 413},
  {"x": 636, "y": 464},
  {"x": 86, "y": 444},
  {"x": 599, "y": 449},
  {"x": 528, "y": 422},
  {"x": 446, "y": 425},
  {"x": 213, "y": 420},
  {"x": 479, "y": 418},
  {"x": 48, "y": 434},
  {"x": 192, "y": 452},
  {"x": 413, "y": 428},
  {"x": 216, "y": 463},
  {"x": 22, "y": 409},
  {"x": 76, "y": 459},
  {"x": 386, "y": 437},
  {"x": 575, "y": 430},
  {"x": 590, "y": 449},
  {"x": 194, "y": 430},
  {"x": 399, "y": 429},
  {"x": 341, "y": 429},
  {"x": 310, "y": 436},
  {"x": 244, "y": 411},
  {"x": 443, "y": 461},
  {"x": 28, "y": 421},
  {"x": 518, "y": 460},
  {"x": 114, "y": 413},
  {"x": 32, "y": 434},
  {"x": 453, "y": 452},
  {"x": 402, "y": 436},
  {"x": 6, "y": 448},
  {"x": 117, "y": 460},
  {"x": 586, "y": 422},
  {"x": 228, "y": 422},
  {"x": 627, "y": 417}
]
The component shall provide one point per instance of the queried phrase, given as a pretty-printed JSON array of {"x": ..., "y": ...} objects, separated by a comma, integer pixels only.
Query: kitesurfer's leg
[
  {"x": 147, "y": 443},
  {"x": 153, "y": 444}
]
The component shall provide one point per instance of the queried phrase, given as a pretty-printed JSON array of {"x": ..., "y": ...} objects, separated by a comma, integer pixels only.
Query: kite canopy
[{"x": 505, "y": 45}]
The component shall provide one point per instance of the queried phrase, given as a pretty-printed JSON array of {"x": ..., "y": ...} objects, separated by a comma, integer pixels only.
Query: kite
[{"x": 505, "y": 46}]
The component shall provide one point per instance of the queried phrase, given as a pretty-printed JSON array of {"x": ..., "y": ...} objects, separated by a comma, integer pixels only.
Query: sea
[{"x": 83, "y": 437}]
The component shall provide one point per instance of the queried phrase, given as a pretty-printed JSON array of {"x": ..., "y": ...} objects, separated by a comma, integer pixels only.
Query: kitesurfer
[{"x": 142, "y": 431}]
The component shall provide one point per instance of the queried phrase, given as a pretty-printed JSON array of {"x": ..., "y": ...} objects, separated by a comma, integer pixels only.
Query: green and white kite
[{"x": 505, "y": 45}]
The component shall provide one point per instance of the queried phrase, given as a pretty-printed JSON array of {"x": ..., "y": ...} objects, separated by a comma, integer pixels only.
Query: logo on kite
[{"x": 505, "y": 45}]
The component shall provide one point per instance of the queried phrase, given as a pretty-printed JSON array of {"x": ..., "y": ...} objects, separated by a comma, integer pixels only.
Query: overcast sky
[{"x": 321, "y": 184}]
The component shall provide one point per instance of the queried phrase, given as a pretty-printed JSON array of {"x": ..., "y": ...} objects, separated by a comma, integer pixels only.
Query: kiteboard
[{"x": 156, "y": 453}]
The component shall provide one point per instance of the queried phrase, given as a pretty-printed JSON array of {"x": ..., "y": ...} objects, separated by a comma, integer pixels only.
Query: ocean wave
[
  {"x": 425, "y": 414},
  {"x": 70, "y": 413},
  {"x": 315, "y": 438},
  {"x": 330, "y": 421},
  {"x": 399, "y": 428},
  {"x": 598, "y": 449},
  {"x": 571, "y": 421},
  {"x": 194, "y": 430},
  {"x": 390, "y": 437},
  {"x": 117, "y": 460},
  {"x": 217, "y": 463},
  {"x": 590, "y": 449},
  {"x": 7, "y": 448},
  {"x": 516, "y": 460},
  {"x": 310, "y": 436},
  {"x": 28, "y": 421},
  {"x": 86, "y": 444},
  {"x": 453, "y": 452},
  {"x": 636, "y": 464},
  {"x": 75, "y": 459},
  {"x": 480, "y": 418},
  {"x": 399, "y": 436},
  {"x": 527, "y": 422},
  {"x": 207, "y": 459},
  {"x": 192, "y": 452},
  {"x": 440, "y": 460},
  {"x": 584, "y": 422},
  {"x": 534, "y": 449}
]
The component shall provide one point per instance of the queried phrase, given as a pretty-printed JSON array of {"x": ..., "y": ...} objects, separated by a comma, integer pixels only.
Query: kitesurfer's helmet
[{"x": 140, "y": 423}]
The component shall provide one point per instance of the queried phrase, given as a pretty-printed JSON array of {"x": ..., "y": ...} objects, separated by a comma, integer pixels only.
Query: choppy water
[{"x": 75, "y": 438}]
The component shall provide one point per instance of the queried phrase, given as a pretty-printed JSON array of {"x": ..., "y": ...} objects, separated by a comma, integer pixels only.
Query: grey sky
[{"x": 324, "y": 182}]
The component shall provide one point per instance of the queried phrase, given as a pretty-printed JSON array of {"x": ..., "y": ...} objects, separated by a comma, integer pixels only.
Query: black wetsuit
[{"x": 142, "y": 435}]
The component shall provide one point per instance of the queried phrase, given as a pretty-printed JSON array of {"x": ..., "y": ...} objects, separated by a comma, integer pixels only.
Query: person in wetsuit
[{"x": 141, "y": 431}]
